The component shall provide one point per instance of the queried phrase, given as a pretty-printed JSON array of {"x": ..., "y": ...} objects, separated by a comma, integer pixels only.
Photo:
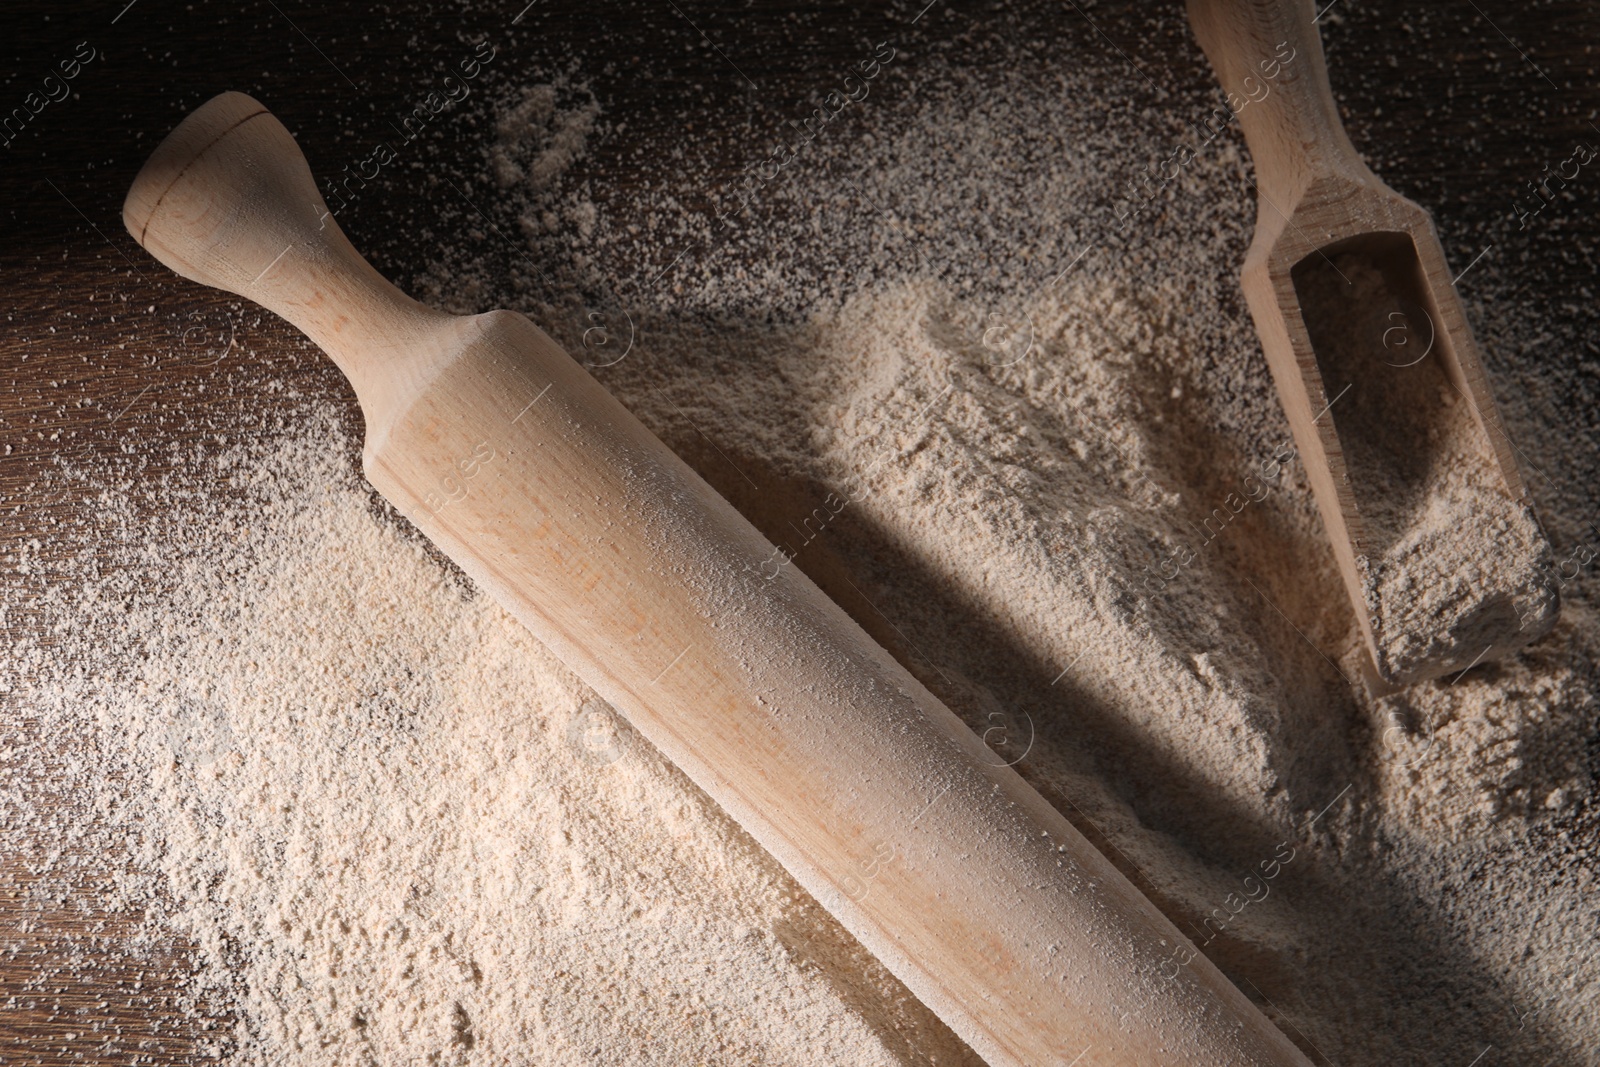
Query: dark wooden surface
[{"x": 108, "y": 356}]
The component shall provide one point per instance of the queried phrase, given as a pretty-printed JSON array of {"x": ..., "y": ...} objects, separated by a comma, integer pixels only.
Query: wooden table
[{"x": 106, "y": 354}]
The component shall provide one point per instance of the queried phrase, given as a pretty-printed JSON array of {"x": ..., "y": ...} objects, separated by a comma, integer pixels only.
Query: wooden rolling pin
[
  {"x": 971, "y": 888},
  {"x": 1398, "y": 391}
]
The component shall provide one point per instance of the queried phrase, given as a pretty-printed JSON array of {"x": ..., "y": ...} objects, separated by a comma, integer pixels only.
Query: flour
[
  {"x": 1456, "y": 572},
  {"x": 392, "y": 829},
  {"x": 416, "y": 836}
]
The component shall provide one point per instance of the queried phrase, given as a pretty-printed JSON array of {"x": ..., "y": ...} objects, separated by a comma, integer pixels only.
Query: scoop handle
[
  {"x": 1268, "y": 58},
  {"x": 227, "y": 200}
]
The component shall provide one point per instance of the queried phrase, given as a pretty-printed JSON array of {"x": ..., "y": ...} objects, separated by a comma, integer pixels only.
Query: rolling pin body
[{"x": 971, "y": 888}]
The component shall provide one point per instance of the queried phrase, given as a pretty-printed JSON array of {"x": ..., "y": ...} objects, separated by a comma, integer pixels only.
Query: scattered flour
[
  {"x": 399, "y": 831},
  {"x": 389, "y": 828}
]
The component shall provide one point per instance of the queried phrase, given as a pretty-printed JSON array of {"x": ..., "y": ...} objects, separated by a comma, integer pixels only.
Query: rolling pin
[
  {"x": 1368, "y": 424},
  {"x": 972, "y": 890}
]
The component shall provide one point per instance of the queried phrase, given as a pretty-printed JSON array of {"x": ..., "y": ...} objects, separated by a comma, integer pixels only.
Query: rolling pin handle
[{"x": 228, "y": 201}]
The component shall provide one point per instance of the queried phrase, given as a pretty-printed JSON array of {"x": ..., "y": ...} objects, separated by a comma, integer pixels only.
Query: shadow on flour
[
  {"x": 911, "y": 1033},
  {"x": 1351, "y": 928}
]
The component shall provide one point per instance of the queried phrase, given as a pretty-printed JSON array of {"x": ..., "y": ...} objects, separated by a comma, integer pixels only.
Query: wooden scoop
[
  {"x": 932, "y": 851},
  {"x": 1376, "y": 367}
]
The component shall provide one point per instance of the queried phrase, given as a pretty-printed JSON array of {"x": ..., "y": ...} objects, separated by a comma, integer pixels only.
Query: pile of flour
[
  {"x": 396, "y": 828},
  {"x": 388, "y": 827},
  {"x": 1456, "y": 571}
]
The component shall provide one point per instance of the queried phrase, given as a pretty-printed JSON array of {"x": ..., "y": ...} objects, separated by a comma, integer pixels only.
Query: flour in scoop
[{"x": 1456, "y": 571}]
